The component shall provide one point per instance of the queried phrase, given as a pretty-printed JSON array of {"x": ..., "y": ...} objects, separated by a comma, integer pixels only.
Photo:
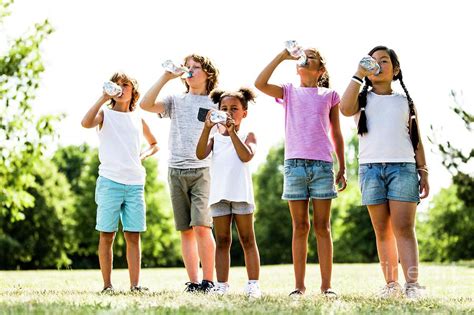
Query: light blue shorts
[
  {"x": 226, "y": 207},
  {"x": 380, "y": 182},
  {"x": 306, "y": 179},
  {"x": 118, "y": 201}
]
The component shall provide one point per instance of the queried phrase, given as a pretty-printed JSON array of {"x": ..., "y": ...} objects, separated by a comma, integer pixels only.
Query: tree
[
  {"x": 449, "y": 225},
  {"x": 23, "y": 136}
]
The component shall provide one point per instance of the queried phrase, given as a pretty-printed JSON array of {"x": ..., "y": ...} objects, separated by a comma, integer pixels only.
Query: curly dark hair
[{"x": 244, "y": 95}]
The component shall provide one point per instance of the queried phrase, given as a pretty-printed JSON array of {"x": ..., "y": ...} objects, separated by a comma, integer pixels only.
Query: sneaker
[
  {"x": 413, "y": 291},
  {"x": 391, "y": 290},
  {"x": 252, "y": 290},
  {"x": 138, "y": 289},
  {"x": 221, "y": 288},
  {"x": 192, "y": 287},
  {"x": 296, "y": 293},
  {"x": 108, "y": 290},
  {"x": 206, "y": 286},
  {"x": 330, "y": 294}
]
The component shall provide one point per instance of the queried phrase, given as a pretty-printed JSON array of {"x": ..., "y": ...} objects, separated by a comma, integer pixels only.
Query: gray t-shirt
[{"x": 185, "y": 129}]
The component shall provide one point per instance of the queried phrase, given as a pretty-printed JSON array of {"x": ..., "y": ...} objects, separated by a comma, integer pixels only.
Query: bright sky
[{"x": 93, "y": 39}]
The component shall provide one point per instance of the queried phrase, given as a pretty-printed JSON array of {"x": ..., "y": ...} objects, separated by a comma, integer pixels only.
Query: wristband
[{"x": 357, "y": 80}]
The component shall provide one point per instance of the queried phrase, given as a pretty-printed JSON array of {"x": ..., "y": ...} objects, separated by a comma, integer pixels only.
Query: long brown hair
[
  {"x": 208, "y": 67},
  {"x": 120, "y": 76}
]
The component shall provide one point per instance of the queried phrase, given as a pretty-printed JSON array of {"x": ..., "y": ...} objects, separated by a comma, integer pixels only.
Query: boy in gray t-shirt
[{"x": 188, "y": 177}]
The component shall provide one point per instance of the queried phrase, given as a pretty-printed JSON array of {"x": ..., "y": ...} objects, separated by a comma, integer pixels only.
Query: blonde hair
[
  {"x": 121, "y": 76},
  {"x": 208, "y": 68}
]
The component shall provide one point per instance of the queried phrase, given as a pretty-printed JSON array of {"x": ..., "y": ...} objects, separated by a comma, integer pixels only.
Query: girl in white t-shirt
[
  {"x": 393, "y": 175},
  {"x": 231, "y": 195}
]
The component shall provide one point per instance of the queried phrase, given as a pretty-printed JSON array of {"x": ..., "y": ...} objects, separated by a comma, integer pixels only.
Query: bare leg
[
  {"x": 249, "y": 244},
  {"x": 301, "y": 226},
  {"x": 206, "y": 250},
  {"x": 133, "y": 256},
  {"x": 322, "y": 229},
  {"x": 222, "y": 228},
  {"x": 190, "y": 254},
  {"x": 386, "y": 243},
  {"x": 403, "y": 223},
  {"x": 106, "y": 256}
]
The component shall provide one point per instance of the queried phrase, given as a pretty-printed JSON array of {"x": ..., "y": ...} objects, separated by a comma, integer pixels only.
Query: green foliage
[
  {"x": 44, "y": 237},
  {"x": 447, "y": 233},
  {"x": 160, "y": 246},
  {"x": 22, "y": 135}
]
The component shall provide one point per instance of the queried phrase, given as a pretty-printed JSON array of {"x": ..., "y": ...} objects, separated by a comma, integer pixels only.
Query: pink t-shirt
[{"x": 307, "y": 122}]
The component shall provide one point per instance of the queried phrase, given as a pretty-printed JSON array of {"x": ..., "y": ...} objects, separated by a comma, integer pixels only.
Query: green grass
[{"x": 450, "y": 289}]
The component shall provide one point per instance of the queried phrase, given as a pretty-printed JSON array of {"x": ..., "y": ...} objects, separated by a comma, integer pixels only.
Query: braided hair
[{"x": 362, "y": 98}]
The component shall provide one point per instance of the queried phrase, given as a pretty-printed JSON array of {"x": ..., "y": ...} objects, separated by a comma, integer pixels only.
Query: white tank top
[
  {"x": 230, "y": 177},
  {"x": 388, "y": 138},
  {"x": 119, "y": 147}
]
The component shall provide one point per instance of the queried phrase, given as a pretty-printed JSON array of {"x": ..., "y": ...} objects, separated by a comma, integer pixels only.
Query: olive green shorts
[{"x": 189, "y": 190}]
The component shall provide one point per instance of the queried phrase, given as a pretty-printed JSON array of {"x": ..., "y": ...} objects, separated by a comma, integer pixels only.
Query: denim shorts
[
  {"x": 226, "y": 207},
  {"x": 118, "y": 201},
  {"x": 380, "y": 182},
  {"x": 306, "y": 179}
]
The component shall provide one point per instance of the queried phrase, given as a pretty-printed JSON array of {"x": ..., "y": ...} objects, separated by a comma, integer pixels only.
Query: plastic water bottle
[
  {"x": 218, "y": 116},
  {"x": 112, "y": 88},
  {"x": 296, "y": 51},
  {"x": 170, "y": 66},
  {"x": 370, "y": 64}
]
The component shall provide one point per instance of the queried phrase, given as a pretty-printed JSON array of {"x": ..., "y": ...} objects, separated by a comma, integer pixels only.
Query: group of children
[{"x": 210, "y": 182}]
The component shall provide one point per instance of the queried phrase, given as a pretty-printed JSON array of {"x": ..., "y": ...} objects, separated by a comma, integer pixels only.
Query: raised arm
[
  {"x": 338, "y": 141},
  {"x": 349, "y": 102},
  {"x": 150, "y": 138},
  {"x": 149, "y": 101},
  {"x": 204, "y": 146},
  {"x": 261, "y": 82},
  {"x": 245, "y": 150},
  {"x": 94, "y": 116}
]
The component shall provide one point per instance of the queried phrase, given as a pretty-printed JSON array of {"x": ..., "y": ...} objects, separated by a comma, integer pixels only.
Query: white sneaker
[
  {"x": 391, "y": 290},
  {"x": 252, "y": 290},
  {"x": 220, "y": 288},
  {"x": 414, "y": 291}
]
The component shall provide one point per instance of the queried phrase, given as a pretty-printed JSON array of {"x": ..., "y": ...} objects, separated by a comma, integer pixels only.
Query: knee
[
  {"x": 132, "y": 238},
  {"x": 107, "y": 238},
  {"x": 248, "y": 242},
  {"x": 322, "y": 229},
  {"x": 223, "y": 241},
  {"x": 301, "y": 227},
  {"x": 404, "y": 230},
  {"x": 202, "y": 231}
]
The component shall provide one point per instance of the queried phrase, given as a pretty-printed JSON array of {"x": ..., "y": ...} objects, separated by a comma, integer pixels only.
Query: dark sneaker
[
  {"x": 138, "y": 289},
  {"x": 206, "y": 286},
  {"x": 192, "y": 287},
  {"x": 108, "y": 290}
]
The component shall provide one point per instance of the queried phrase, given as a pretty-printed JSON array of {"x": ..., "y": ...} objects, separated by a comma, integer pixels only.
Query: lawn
[{"x": 450, "y": 289}]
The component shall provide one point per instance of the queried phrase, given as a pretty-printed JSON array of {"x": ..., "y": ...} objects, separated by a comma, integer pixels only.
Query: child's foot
[
  {"x": 252, "y": 290},
  {"x": 296, "y": 293},
  {"x": 413, "y": 291},
  {"x": 192, "y": 287},
  {"x": 138, "y": 289},
  {"x": 221, "y": 288},
  {"x": 330, "y": 294},
  {"x": 391, "y": 290},
  {"x": 206, "y": 286},
  {"x": 108, "y": 290}
]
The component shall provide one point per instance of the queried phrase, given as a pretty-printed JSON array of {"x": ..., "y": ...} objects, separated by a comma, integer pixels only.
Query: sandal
[
  {"x": 108, "y": 290},
  {"x": 296, "y": 292},
  {"x": 138, "y": 289}
]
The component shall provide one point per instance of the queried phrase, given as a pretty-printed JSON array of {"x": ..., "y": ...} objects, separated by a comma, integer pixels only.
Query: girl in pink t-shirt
[{"x": 311, "y": 115}]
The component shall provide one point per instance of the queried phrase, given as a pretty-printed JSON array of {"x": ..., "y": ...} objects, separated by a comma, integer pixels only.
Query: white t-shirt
[
  {"x": 119, "y": 147},
  {"x": 388, "y": 138},
  {"x": 230, "y": 177}
]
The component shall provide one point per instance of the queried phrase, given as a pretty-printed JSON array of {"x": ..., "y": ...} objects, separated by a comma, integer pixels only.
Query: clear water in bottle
[
  {"x": 112, "y": 88},
  {"x": 170, "y": 66},
  {"x": 296, "y": 51},
  {"x": 370, "y": 64},
  {"x": 218, "y": 116}
]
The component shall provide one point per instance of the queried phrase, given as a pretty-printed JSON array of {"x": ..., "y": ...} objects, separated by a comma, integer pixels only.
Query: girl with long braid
[{"x": 393, "y": 175}]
